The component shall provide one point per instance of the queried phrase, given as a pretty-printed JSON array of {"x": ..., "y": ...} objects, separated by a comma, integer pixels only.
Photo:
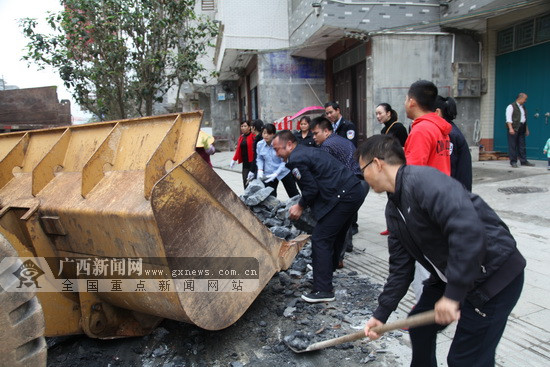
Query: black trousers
[
  {"x": 516, "y": 146},
  {"x": 477, "y": 335},
  {"x": 288, "y": 183},
  {"x": 328, "y": 237}
]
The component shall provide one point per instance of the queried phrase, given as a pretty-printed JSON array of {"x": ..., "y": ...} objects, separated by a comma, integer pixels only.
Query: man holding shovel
[{"x": 476, "y": 269}]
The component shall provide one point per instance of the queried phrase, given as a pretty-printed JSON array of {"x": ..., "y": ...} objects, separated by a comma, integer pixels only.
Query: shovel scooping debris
[{"x": 298, "y": 341}]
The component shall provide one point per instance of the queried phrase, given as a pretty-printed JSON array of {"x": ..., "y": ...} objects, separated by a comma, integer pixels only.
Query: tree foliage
[{"x": 119, "y": 57}]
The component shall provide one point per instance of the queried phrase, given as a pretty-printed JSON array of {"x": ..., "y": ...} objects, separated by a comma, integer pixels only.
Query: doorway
[
  {"x": 527, "y": 71},
  {"x": 350, "y": 91}
]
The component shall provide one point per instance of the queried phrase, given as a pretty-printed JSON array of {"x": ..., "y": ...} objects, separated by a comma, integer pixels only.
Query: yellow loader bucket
[{"x": 132, "y": 189}]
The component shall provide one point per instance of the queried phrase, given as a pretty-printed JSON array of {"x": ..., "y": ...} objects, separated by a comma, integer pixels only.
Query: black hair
[
  {"x": 334, "y": 105},
  {"x": 322, "y": 122},
  {"x": 424, "y": 93},
  {"x": 245, "y": 122},
  {"x": 270, "y": 129},
  {"x": 307, "y": 118},
  {"x": 258, "y": 125},
  {"x": 387, "y": 108},
  {"x": 285, "y": 136},
  {"x": 385, "y": 147},
  {"x": 447, "y": 107}
]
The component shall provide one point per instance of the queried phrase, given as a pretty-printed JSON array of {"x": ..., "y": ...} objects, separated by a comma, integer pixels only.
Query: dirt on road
[{"x": 257, "y": 338}]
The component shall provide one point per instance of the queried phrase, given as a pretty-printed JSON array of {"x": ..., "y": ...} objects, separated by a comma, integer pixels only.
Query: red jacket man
[{"x": 428, "y": 142}]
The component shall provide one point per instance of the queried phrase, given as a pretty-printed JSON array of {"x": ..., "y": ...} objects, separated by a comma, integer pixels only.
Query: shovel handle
[{"x": 421, "y": 319}]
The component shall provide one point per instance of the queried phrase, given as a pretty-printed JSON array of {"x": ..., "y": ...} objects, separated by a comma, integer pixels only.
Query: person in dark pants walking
[
  {"x": 333, "y": 193},
  {"x": 516, "y": 123},
  {"x": 476, "y": 270},
  {"x": 244, "y": 151}
]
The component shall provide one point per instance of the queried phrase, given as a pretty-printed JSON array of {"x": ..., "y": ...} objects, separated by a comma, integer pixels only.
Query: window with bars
[
  {"x": 505, "y": 40},
  {"x": 208, "y": 5},
  {"x": 542, "y": 33},
  {"x": 525, "y": 34}
]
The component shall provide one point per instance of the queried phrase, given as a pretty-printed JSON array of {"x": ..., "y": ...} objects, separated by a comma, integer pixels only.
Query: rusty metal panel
[
  {"x": 139, "y": 139},
  {"x": 198, "y": 215},
  {"x": 136, "y": 188},
  {"x": 40, "y": 144},
  {"x": 8, "y": 142},
  {"x": 178, "y": 144},
  {"x": 12, "y": 158},
  {"x": 80, "y": 142}
]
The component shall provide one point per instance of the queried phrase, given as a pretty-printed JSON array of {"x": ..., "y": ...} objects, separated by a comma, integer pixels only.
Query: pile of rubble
[
  {"x": 274, "y": 213},
  {"x": 258, "y": 338}
]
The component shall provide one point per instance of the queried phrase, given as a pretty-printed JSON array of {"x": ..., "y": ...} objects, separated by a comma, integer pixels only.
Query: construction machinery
[{"x": 129, "y": 189}]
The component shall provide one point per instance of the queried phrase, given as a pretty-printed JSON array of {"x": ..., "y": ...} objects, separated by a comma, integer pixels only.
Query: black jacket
[
  {"x": 307, "y": 141},
  {"x": 323, "y": 180},
  {"x": 253, "y": 164},
  {"x": 346, "y": 129},
  {"x": 397, "y": 129},
  {"x": 431, "y": 216},
  {"x": 461, "y": 159}
]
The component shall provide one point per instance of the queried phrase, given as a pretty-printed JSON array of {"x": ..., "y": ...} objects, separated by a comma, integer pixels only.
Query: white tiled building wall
[
  {"x": 487, "y": 115},
  {"x": 254, "y": 24}
]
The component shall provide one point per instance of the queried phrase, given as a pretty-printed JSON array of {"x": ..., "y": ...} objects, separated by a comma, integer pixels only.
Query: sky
[{"x": 12, "y": 48}]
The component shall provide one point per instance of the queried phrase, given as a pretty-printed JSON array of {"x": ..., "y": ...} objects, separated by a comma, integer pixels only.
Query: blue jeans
[{"x": 476, "y": 337}]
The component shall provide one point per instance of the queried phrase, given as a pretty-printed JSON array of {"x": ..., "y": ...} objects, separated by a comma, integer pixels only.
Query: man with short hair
[
  {"x": 340, "y": 148},
  {"x": 334, "y": 194},
  {"x": 340, "y": 126},
  {"x": 345, "y": 129},
  {"x": 476, "y": 270},
  {"x": 516, "y": 123},
  {"x": 428, "y": 142}
]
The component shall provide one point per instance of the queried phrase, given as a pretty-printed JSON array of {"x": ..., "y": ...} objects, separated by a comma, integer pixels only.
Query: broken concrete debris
[
  {"x": 274, "y": 213},
  {"x": 277, "y": 318}
]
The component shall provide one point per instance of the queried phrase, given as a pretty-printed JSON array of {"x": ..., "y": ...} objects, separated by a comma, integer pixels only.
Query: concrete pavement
[{"x": 521, "y": 198}]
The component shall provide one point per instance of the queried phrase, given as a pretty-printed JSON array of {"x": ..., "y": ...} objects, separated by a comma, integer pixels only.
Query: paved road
[{"x": 526, "y": 341}]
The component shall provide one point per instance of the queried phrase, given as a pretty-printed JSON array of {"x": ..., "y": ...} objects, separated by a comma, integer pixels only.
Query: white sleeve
[{"x": 509, "y": 111}]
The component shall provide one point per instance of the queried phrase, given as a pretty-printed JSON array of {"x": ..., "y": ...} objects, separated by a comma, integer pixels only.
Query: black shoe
[
  {"x": 349, "y": 248},
  {"x": 318, "y": 296},
  {"x": 354, "y": 230},
  {"x": 528, "y": 164},
  {"x": 514, "y": 165}
]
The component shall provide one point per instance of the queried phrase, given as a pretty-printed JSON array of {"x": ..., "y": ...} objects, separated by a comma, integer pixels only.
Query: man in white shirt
[{"x": 516, "y": 123}]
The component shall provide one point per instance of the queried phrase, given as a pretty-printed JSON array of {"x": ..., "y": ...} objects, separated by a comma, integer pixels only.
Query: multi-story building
[{"x": 275, "y": 57}]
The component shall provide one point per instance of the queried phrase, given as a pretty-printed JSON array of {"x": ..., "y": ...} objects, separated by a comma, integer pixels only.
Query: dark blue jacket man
[
  {"x": 333, "y": 193},
  {"x": 341, "y": 126},
  {"x": 476, "y": 269},
  {"x": 341, "y": 149},
  {"x": 338, "y": 147}
]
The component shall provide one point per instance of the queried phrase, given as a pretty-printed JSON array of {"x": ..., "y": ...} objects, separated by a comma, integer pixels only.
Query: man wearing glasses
[
  {"x": 334, "y": 194},
  {"x": 476, "y": 270}
]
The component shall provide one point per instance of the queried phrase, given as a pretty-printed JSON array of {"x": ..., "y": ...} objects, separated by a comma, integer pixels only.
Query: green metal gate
[{"x": 527, "y": 71}]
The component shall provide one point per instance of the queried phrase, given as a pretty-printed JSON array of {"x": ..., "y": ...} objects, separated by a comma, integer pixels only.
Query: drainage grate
[{"x": 521, "y": 190}]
